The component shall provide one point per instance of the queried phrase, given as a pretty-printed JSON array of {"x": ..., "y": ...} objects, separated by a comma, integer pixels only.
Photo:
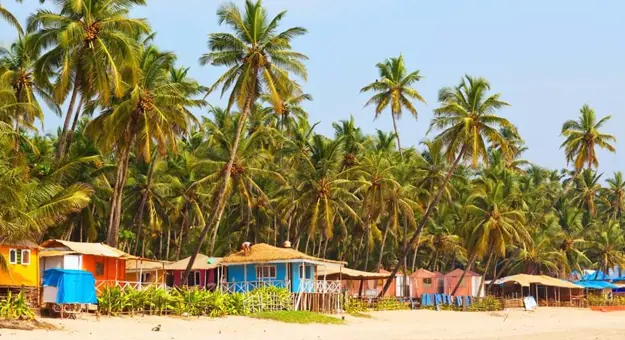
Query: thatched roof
[
  {"x": 84, "y": 248},
  {"x": 333, "y": 271},
  {"x": 202, "y": 262},
  {"x": 262, "y": 253},
  {"x": 18, "y": 243}
]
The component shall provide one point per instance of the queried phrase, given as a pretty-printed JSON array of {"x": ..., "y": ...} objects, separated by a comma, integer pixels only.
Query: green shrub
[
  {"x": 390, "y": 304},
  {"x": 354, "y": 305},
  {"x": 16, "y": 307},
  {"x": 486, "y": 304}
]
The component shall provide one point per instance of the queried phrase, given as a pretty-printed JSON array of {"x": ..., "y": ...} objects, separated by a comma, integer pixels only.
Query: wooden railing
[
  {"x": 100, "y": 285},
  {"x": 246, "y": 286}
]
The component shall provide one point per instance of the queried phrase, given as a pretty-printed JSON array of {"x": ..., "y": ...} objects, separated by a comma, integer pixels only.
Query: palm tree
[
  {"x": 259, "y": 59},
  {"x": 587, "y": 189},
  {"x": 607, "y": 246},
  {"x": 152, "y": 110},
  {"x": 495, "y": 221},
  {"x": 17, "y": 70},
  {"x": 393, "y": 88},
  {"x": 468, "y": 116},
  {"x": 11, "y": 19},
  {"x": 616, "y": 194},
  {"x": 583, "y": 137},
  {"x": 86, "y": 44}
]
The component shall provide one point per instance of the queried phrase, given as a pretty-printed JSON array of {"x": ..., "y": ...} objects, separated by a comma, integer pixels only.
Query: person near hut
[{"x": 247, "y": 248}]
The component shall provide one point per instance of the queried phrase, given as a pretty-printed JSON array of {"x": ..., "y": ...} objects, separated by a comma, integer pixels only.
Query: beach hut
[
  {"x": 146, "y": 272},
  {"x": 423, "y": 281},
  {"x": 203, "y": 273},
  {"x": 266, "y": 265},
  {"x": 22, "y": 260},
  {"x": 546, "y": 290},
  {"x": 468, "y": 286},
  {"x": 107, "y": 264},
  {"x": 351, "y": 280},
  {"x": 22, "y": 268}
]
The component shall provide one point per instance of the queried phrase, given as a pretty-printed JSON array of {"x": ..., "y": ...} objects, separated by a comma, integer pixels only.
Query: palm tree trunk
[
  {"x": 183, "y": 231},
  {"x": 424, "y": 219},
  {"x": 397, "y": 135},
  {"x": 414, "y": 259},
  {"x": 405, "y": 258},
  {"x": 60, "y": 150},
  {"x": 490, "y": 258},
  {"x": 220, "y": 205},
  {"x": 70, "y": 135},
  {"x": 464, "y": 273},
  {"x": 168, "y": 242},
  {"x": 379, "y": 265},
  {"x": 116, "y": 200},
  {"x": 144, "y": 199},
  {"x": 367, "y": 242}
]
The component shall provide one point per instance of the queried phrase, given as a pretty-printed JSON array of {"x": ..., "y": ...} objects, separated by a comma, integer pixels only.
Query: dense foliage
[{"x": 133, "y": 166}]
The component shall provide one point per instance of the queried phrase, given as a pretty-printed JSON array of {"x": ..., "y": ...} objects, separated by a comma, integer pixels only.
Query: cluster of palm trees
[{"x": 132, "y": 166}]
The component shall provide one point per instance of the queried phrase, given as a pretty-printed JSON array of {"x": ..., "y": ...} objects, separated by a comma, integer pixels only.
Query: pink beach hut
[
  {"x": 468, "y": 286},
  {"x": 423, "y": 281},
  {"x": 203, "y": 273}
]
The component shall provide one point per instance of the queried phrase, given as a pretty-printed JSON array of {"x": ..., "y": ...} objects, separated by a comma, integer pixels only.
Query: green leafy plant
[{"x": 16, "y": 307}]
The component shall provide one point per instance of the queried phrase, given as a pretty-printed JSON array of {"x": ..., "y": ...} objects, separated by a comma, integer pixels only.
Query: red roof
[{"x": 458, "y": 272}]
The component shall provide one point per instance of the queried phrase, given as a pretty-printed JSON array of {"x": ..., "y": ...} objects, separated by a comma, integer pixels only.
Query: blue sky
[{"x": 547, "y": 58}]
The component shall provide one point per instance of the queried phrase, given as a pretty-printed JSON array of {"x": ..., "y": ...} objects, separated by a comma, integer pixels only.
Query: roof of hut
[
  {"x": 332, "y": 271},
  {"x": 145, "y": 264},
  {"x": 458, "y": 272},
  {"x": 18, "y": 243},
  {"x": 202, "y": 262},
  {"x": 60, "y": 247},
  {"x": 424, "y": 273},
  {"x": 263, "y": 252},
  {"x": 525, "y": 280}
]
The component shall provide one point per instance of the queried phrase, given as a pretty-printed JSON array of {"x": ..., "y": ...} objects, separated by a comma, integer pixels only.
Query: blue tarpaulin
[
  {"x": 74, "y": 286},
  {"x": 596, "y": 284}
]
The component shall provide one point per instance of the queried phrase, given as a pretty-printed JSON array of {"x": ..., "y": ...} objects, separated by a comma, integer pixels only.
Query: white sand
[{"x": 546, "y": 323}]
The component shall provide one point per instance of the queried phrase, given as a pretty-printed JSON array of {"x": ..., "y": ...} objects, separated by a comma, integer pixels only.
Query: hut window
[
  {"x": 99, "y": 268},
  {"x": 194, "y": 278},
  {"x": 26, "y": 256},
  {"x": 265, "y": 272},
  {"x": 427, "y": 282},
  {"x": 13, "y": 256}
]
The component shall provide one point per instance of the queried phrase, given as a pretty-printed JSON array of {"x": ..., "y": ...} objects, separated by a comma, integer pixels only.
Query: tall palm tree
[
  {"x": 583, "y": 136},
  {"x": 86, "y": 44},
  {"x": 607, "y": 246},
  {"x": 17, "y": 70},
  {"x": 394, "y": 88},
  {"x": 616, "y": 194},
  {"x": 468, "y": 117},
  {"x": 586, "y": 191},
  {"x": 259, "y": 59},
  {"x": 152, "y": 110}
]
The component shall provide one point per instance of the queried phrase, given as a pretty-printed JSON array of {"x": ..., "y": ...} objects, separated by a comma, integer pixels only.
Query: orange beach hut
[{"x": 107, "y": 264}]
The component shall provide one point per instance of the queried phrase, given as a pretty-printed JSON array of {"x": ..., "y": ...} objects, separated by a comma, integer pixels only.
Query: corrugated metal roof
[
  {"x": 97, "y": 249},
  {"x": 202, "y": 262}
]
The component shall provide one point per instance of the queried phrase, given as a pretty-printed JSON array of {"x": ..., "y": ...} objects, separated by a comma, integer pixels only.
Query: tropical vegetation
[{"x": 143, "y": 162}]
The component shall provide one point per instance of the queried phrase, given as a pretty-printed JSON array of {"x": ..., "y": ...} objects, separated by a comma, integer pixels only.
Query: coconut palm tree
[
  {"x": 468, "y": 117},
  {"x": 586, "y": 191},
  {"x": 258, "y": 59},
  {"x": 86, "y": 44},
  {"x": 394, "y": 88},
  {"x": 583, "y": 137},
  {"x": 17, "y": 70},
  {"x": 152, "y": 110},
  {"x": 607, "y": 246},
  {"x": 616, "y": 194}
]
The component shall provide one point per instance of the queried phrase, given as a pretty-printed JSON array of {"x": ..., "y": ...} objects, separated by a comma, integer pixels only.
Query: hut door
[
  {"x": 289, "y": 275},
  {"x": 169, "y": 279}
]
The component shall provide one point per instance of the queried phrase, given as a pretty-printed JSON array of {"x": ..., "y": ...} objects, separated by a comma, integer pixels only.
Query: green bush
[
  {"x": 486, "y": 304},
  {"x": 16, "y": 307},
  {"x": 390, "y": 304},
  {"x": 354, "y": 305},
  {"x": 191, "y": 301}
]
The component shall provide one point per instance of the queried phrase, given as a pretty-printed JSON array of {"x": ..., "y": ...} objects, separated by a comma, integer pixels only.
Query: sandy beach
[{"x": 546, "y": 323}]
